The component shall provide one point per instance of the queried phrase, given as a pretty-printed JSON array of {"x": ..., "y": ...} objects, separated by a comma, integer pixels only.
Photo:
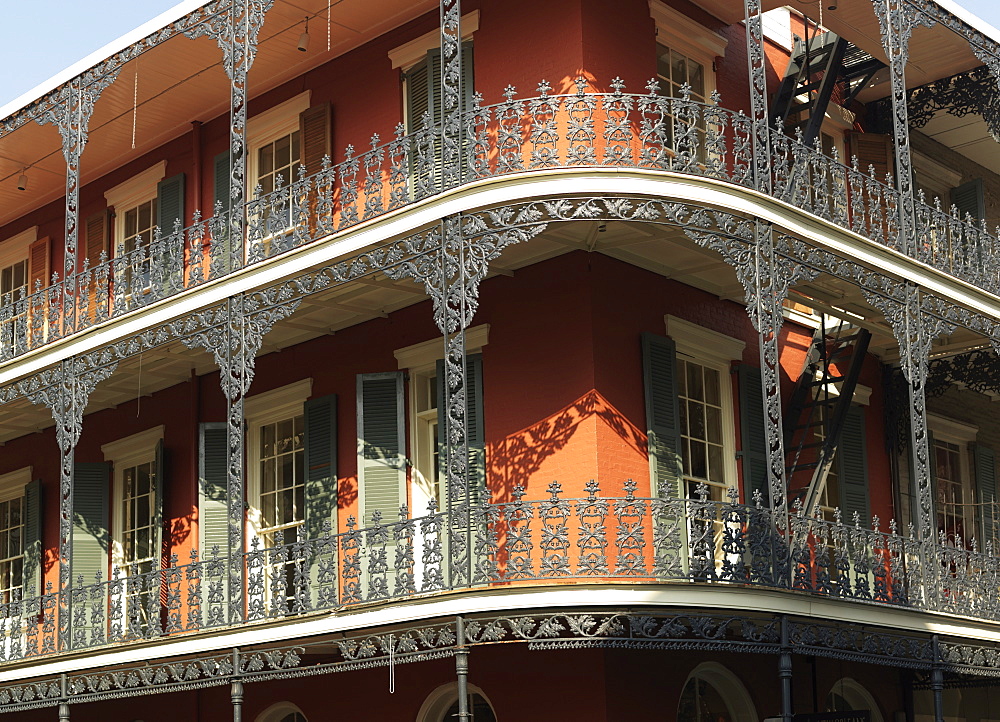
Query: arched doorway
[
  {"x": 441, "y": 705},
  {"x": 714, "y": 694},
  {"x": 847, "y": 694}
]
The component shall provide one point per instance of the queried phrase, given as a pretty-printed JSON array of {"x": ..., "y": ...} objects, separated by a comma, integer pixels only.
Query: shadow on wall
[{"x": 519, "y": 456}]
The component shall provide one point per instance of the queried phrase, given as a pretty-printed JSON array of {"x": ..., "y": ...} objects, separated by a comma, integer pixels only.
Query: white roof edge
[
  {"x": 970, "y": 19},
  {"x": 101, "y": 54}
]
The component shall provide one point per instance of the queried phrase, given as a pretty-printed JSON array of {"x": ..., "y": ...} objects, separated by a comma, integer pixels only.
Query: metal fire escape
[
  {"x": 821, "y": 68},
  {"x": 818, "y": 407}
]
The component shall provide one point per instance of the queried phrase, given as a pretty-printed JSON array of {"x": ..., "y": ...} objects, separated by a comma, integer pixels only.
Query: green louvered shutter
[
  {"x": 659, "y": 366},
  {"x": 32, "y": 574},
  {"x": 852, "y": 453},
  {"x": 381, "y": 445},
  {"x": 159, "y": 485},
  {"x": 321, "y": 465},
  {"x": 753, "y": 438},
  {"x": 170, "y": 208},
  {"x": 221, "y": 194},
  {"x": 91, "y": 539},
  {"x": 474, "y": 423},
  {"x": 932, "y": 473},
  {"x": 970, "y": 199},
  {"x": 213, "y": 515},
  {"x": 986, "y": 483}
]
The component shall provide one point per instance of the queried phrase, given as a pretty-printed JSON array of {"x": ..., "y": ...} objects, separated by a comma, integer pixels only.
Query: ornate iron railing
[
  {"x": 519, "y": 542},
  {"x": 581, "y": 129}
]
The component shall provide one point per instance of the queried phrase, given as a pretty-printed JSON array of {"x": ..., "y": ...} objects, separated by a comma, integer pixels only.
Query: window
[
  {"x": 135, "y": 204},
  {"x": 136, "y": 523},
  {"x": 23, "y": 260},
  {"x": 714, "y": 694},
  {"x": 685, "y": 52},
  {"x": 954, "y": 503},
  {"x": 674, "y": 69},
  {"x": 441, "y": 705},
  {"x": 12, "y": 534}
]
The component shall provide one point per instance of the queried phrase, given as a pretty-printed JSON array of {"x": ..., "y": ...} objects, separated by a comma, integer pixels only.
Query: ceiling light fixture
[
  {"x": 22, "y": 181},
  {"x": 304, "y": 38}
]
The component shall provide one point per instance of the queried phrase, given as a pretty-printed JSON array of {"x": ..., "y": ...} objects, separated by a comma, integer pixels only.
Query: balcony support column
[
  {"x": 937, "y": 681},
  {"x": 451, "y": 92},
  {"x": 235, "y": 31},
  {"x": 63, "y": 704},
  {"x": 462, "y": 670},
  {"x": 234, "y": 344},
  {"x": 757, "y": 68},
  {"x": 897, "y": 19},
  {"x": 66, "y": 397},
  {"x": 71, "y": 115},
  {"x": 785, "y": 673}
]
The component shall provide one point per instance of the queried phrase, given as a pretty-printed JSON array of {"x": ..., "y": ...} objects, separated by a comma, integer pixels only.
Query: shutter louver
[
  {"x": 381, "y": 461},
  {"x": 969, "y": 198},
  {"x": 321, "y": 465},
  {"x": 32, "y": 574},
  {"x": 159, "y": 485},
  {"x": 474, "y": 423},
  {"x": 986, "y": 483},
  {"x": 169, "y": 209},
  {"x": 96, "y": 229},
  {"x": 753, "y": 438},
  {"x": 213, "y": 514},
  {"x": 315, "y": 132},
  {"x": 659, "y": 366},
  {"x": 220, "y": 193},
  {"x": 221, "y": 200},
  {"x": 38, "y": 264},
  {"x": 91, "y": 539},
  {"x": 873, "y": 150},
  {"x": 852, "y": 455}
]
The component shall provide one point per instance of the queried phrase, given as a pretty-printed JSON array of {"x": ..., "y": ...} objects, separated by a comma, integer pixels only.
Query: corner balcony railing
[
  {"x": 518, "y": 543},
  {"x": 577, "y": 130}
]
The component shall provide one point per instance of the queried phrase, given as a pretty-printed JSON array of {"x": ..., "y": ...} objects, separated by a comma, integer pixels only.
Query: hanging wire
[
  {"x": 135, "y": 99},
  {"x": 392, "y": 664},
  {"x": 138, "y": 389},
  {"x": 328, "y": 4}
]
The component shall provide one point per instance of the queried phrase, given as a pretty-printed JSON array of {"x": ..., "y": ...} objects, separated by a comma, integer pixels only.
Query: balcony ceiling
[{"x": 181, "y": 81}]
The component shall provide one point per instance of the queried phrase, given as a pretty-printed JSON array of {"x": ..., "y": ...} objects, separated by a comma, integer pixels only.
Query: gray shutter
[
  {"x": 753, "y": 438},
  {"x": 91, "y": 539},
  {"x": 853, "y": 457},
  {"x": 213, "y": 515},
  {"x": 417, "y": 95},
  {"x": 659, "y": 367},
  {"x": 381, "y": 445},
  {"x": 473, "y": 421},
  {"x": 170, "y": 208},
  {"x": 159, "y": 484},
  {"x": 32, "y": 570},
  {"x": 986, "y": 483},
  {"x": 969, "y": 198},
  {"x": 321, "y": 464},
  {"x": 932, "y": 472},
  {"x": 221, "y": 249},
  {"x": 221, "y": 181}
]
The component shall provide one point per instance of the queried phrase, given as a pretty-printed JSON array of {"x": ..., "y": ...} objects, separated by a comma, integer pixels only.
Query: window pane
[
  {"x": 712, "y": 386},
  {"x": 694, "y": 383}
]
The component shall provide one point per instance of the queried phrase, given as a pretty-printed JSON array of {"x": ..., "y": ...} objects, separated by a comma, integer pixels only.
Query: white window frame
[
  {"x": 269, "y": 125},
  {"x": 962, "y": 435},
  {"x": 15, "y": 249},
  {"x": 688, "y": 37},
  {"x": 259, "y": 410},
  {"x": 12, "y": 486},
  {"x": 716, "y": 351},
  {"x": 123, "y": 454},
  {"x": 420, "y": 360},
  {"x": 139, "y": 189},
  {"x": 405, "y": 56}
]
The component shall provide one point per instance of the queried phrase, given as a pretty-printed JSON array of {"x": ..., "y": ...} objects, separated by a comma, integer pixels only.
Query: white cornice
[
  {"x": 684, "y": 34},
  {"x": 141, "y": 444},
  {"x": 279, "y": 401},
  {"x": 411, "y": 53},
  {"x": 427, "y": 352},
  {"x": 703, "y": 343},
  {"x": 140, "y": 187}
]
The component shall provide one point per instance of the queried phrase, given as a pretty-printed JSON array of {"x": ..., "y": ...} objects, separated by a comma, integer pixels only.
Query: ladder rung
[{"x": 802, "y": 467}]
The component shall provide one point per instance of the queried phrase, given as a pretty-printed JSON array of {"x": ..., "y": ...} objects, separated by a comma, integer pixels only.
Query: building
[{"x": 561, "y": 393}]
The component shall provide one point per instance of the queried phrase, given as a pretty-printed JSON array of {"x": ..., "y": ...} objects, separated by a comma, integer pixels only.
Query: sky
[{"x": 39, "y": 38}]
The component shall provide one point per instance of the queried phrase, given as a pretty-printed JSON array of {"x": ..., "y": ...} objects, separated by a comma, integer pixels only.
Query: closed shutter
[
  {"x": 970, "y": 199},
  {"x": 321, "y": 465},
  {"x": 753, "y": 438},
  {"x": 986, "y": 483},
  {"x": 91, "y": 539},
  {"x": 213, "y": 515},
  {"x": 659, "y": 366},
  {"x": 32, "y": 576},
  {"x": 381, "y": 444},
  {"x": 96, "y": 229},
  {"x": 932, "y": 473},
  {"x": 315, "y": 131},
  {"x": 38, "y": 264},
  {"x": 221, "y": 199},
  {"x": 852, "y": 453},
  {"x": 169, "y": 210},
  {"x": 159, "y": 485},
  {"x": 221, "y": 180},
  {"x": 474, "y": 423},
  {"x": 873, "y": 150}
]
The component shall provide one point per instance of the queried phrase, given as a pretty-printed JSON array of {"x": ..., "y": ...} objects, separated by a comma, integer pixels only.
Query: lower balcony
[{"x": 516, "y": 543}]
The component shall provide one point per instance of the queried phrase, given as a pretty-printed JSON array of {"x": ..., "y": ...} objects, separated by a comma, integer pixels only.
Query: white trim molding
[
  {"x": 278, "y": 402},
  {"x": 279, "y": 120},
  {"x": 409, "y": 54},
  {"x": 140, "y": 444},
  {"x": 950, "y": 430},
  {"x": 137, "y": 189},
  {"x": 426, "y": 353},
  {"x": 703, "y": 343},
  {"x": 15, "y": 248},
  {"x": 12, "y": 483},
  {"x": 685, "y": 35}
]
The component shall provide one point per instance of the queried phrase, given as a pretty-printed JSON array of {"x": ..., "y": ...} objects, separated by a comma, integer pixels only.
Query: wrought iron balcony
[
  {"x": 519, "y": 543},
  {"x": 548, "y": 132}
]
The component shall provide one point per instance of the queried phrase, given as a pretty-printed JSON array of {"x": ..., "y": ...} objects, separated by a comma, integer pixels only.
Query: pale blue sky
[{"x": 39, "y": 38}]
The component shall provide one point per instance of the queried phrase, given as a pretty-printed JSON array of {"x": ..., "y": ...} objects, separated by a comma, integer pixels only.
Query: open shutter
[
  {"x": 159, "y": 485},
  {"x": 853, "y": 456},
  {"x": 381, "y": 445},
  {"x": 91, "y": 539},
  {"x": 38, "y": 264},
  {"x": 213, "y": 515},
  {"x": 986, "y": 483},
  {"x": 221, "y": 198},
  {"x": 932, "y": 472},
  {"x": 221, "y": 179},
  {"x": 96, "y": 229},
  {"x": 315, "y": 131},
  {"x": 753, "y": 438},
  {"x": 32, "y": 574},
  {"x": 873, "y": 150},
  {"x": 659, "y": 367},
  {"x": 321, "y": 465},
  {"x": 970, "y": 199},
  {"x": 474, "y": 423},
  {"x": 169, "y": 210}
]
